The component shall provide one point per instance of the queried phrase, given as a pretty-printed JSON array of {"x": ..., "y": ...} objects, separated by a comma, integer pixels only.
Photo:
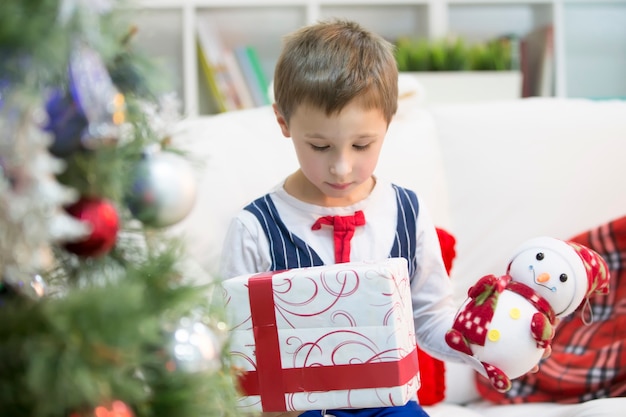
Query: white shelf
[{"x": 589, "y": 35}]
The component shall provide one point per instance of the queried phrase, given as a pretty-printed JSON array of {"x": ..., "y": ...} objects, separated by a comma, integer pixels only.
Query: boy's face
[{"x": 337, "y": 153}]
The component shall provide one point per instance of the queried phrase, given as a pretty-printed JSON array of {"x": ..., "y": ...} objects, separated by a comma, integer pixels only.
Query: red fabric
[
  {"x": 433, "y": 371},
  {"x": 448, "y": 251},
  {"x": 587, "y": 361},
  {"x": 432, "y": 374},
  {"x": 343, "y": 230}
]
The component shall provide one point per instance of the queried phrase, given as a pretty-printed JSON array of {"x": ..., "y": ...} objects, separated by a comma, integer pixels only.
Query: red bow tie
[{"x": 343, "y": 230}]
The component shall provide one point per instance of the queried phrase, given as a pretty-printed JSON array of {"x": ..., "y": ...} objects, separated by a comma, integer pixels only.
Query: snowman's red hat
[
  {"x": 596, "y": 268},
  {"x": 585, "y": 262}
]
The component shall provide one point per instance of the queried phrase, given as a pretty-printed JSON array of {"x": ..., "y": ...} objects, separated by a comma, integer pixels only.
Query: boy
[{"x": 336, "y": 91}]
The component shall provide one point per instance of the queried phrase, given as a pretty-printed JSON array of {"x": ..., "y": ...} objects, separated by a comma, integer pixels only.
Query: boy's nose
[{"x": 340, "y": 167}]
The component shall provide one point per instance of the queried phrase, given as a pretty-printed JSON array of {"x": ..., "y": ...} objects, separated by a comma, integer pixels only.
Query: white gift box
[{"x": 337, "y": 336}]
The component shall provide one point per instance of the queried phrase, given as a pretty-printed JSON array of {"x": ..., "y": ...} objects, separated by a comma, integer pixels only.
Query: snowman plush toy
[{"x": 507, "y": 322}]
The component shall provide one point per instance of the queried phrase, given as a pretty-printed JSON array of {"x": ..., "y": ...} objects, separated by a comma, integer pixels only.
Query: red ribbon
[
  {"x": 343, "y": 230},
  {"x": 271, "y": 381}
]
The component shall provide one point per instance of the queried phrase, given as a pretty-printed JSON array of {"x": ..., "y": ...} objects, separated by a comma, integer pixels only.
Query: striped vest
[{"x": 289, "y": 251}]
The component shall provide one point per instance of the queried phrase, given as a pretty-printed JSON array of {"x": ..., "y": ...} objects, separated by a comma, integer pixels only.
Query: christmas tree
[{"x": 98, "y": 315}]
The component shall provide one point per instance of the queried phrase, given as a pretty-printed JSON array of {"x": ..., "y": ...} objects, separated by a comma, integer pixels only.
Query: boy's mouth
[{"x": 340, "y": 187}]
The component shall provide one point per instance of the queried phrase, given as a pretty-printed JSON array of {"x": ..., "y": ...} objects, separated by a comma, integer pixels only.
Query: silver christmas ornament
[
  {"x": 163, "y": 191},
  {"x": 195, "y": 347}
]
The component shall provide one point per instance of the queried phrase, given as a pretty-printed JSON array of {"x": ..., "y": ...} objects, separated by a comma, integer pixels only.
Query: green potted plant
[
  {"x": 452, "y": 70},
  {"x": 427, "y": 55},
  {"x": 494, "y": 55},
  {"x": 453, "y": 54}
]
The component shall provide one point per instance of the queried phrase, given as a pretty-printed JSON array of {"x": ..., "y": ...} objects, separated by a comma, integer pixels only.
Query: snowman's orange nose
[{"x": 543, "y": 277}]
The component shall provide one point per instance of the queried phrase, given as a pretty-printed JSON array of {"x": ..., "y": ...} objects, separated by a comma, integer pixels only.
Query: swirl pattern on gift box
[
  {"x": 347, "y": 346},
  {"x": 316, "y": 295}
]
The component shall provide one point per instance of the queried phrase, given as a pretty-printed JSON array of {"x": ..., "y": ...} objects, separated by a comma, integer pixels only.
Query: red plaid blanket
[{"x": 587, "y": 361}]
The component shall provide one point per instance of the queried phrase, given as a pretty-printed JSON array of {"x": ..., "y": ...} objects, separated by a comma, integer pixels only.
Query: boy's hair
[{"x": 331, "y": 63}]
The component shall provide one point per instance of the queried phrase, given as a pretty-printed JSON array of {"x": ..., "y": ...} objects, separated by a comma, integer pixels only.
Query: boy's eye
[
  {"x": 319, "y": 148},
  {"x": 361, "y": 147}
]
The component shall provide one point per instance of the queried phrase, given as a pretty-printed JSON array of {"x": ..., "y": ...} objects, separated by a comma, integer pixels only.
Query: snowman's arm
[
  {"x": 541, "y": 330},
  {"x": 485, "y": 283}
]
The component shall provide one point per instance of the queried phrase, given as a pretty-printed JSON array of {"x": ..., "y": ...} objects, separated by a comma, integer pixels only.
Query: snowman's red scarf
[{"x": 533, "y": 297}]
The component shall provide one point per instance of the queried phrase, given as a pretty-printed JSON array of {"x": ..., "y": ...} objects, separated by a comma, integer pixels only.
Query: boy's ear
[{"x": 281, "y": 121}]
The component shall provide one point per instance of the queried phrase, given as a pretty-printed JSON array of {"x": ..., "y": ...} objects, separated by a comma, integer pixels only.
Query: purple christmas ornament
[{"x": 66, "y": 122}]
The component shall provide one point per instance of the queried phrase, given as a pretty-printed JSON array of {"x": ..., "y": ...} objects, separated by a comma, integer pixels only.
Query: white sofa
[{"x": 493, "y": 174}]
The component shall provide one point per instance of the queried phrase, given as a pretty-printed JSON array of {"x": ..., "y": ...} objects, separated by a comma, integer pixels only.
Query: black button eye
[
  {"x": 540, "y": 256},
  {"x": 563, "y": 277}
]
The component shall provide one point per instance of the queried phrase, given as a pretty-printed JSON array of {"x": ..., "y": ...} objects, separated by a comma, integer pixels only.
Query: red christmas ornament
[
  {"x": 102, "y": 216},
  {"x": 116, "y": 409}
]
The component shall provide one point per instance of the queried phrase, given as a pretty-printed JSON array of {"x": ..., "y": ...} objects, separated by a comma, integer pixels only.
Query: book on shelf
[
  {"x": 212, "y": 57},
  {"x": 537, "y": 62},
  {"x": 239, "y": 81},
  {"x": 209, "y": 79},
  {"x": 248, "y": 60}
]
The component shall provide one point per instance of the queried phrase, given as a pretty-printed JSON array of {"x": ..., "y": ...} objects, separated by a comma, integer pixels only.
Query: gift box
[{"x": 337, "y": 336}]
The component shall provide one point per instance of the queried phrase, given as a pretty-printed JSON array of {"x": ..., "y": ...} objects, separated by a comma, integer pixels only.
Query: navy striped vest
[{"x": 289, "y": 251}]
